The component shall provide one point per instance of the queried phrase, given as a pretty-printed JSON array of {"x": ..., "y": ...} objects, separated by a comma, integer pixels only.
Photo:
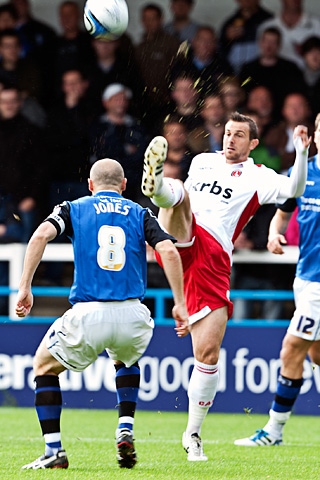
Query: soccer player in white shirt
[{"x": 205, "y": 214}]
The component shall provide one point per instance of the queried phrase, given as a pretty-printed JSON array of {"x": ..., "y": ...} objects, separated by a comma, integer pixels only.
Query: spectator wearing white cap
[
  {"x": 117, "y": 134},
  {"x": 115, "y": 89}
]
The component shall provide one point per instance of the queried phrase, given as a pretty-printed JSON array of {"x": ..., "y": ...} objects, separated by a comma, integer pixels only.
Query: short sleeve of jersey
[
  {"x": 60, "y": 219},
  {"x": 153, "y": 232},
  {"x": 288, "y": 206}
]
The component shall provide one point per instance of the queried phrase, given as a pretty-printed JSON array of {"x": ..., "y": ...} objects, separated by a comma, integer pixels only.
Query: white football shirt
[{"x": 224, "y": 197}]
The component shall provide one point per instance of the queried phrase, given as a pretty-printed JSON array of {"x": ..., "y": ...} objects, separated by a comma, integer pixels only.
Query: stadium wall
[{"x": 249, "y": 367}]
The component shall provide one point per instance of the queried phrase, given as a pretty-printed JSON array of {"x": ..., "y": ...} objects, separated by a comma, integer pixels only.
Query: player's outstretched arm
[
  {"x": 294, "y": 186},
  {"x": 277, "y": 229},
  {"x": 34, "y": 252},
  {"x": 172, "y": 267}
]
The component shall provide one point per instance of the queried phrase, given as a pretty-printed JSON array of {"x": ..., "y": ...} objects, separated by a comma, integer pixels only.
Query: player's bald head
[{"x": 107, "y": 173}]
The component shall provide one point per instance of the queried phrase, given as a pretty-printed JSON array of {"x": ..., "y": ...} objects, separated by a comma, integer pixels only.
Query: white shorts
[
  {"x": 305, "y": 322},
  {"x": 123, "y": 329}
]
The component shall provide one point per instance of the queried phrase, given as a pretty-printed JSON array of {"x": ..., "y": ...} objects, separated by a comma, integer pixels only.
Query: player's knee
[
  {"x": 292, "y": 353},
  {"x": 287, "y": 354},
  {"x": 314, "y": 355},
  {"x": 40, "y": 368},
  {"x": 209, "y": 357},
  {"x": 315, "y": 358},
  {"x": 45, "y": 364}
]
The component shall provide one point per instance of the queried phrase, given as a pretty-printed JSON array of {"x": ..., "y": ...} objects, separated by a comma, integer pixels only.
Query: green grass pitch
[{"x": 88, "y": 437}]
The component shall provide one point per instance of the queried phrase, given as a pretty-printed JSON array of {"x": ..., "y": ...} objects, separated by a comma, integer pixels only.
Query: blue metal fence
[{"x": 158, "y": 296}]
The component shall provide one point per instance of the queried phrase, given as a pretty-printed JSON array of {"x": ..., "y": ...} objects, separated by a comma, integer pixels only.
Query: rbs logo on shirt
[{"x": 213, "y": 188}]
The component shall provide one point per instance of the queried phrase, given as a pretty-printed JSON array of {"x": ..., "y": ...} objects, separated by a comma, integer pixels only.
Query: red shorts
[{"x": 207, "y": 271}]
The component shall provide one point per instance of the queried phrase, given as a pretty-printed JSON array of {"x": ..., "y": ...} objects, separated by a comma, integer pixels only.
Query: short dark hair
[
  {"x": 153, "y": 6},
  {"x": 173, "y": 118},
  {"x": 186, "y": 1},
  {"x": 83, "y": 74},
  {"x": 206, "y": 28},
  {"x": 7, "y": 7},
  {"x": 253, "y": 128},
  {"x": 69, "y": 3},
  {"x": 274, "y": 31},
  {"x": 309, "y": 44},
  {"x": 9, "y": 32},
  {"x": 8, "y": 88}
]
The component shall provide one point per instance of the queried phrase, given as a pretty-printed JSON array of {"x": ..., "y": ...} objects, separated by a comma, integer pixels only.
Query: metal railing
[
  {"x": 14, "y": 255},
  {"x": 158, "y": 295}
]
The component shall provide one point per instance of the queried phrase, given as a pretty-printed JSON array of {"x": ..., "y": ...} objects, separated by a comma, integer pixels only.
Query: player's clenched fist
[{"x": 300, "y": 138}]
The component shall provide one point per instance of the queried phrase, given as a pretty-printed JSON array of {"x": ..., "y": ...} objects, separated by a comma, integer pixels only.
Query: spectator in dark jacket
[
  {"x": 238, "y": 38},
  {"x": 155, "y": 54},
  {"x": 18, "y": 72},
  {"x": 23, "y": 176},
  {"x": 181, "y": 25},
  {"x": 269, "y": 69},
  {"x": 67, "y": 139},
  {"x": 111, "y": 66},
  {"x": 73, "y": 47},
  {"x": 202, "y": 61},
  {"x": 118, "y": 135}
]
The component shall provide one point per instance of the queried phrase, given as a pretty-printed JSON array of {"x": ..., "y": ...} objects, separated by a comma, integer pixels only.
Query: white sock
[
  {"x": 169, "y": 194},
  {"x": 277, "y": 421},
  {"x": 52, "y": 439},
  {"x": 202, "y": 390}
]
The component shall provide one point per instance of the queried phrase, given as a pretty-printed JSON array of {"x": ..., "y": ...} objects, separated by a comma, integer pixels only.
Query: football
[{"x": 106, "y": 19}]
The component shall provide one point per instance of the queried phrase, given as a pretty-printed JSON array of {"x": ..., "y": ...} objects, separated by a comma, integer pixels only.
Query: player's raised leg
[
  {"x": 166, "y": 193},
  {"x": 154, "y": 158}
]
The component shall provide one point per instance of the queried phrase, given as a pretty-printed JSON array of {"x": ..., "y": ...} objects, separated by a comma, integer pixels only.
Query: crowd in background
[{"x": 67, "y": 100}]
